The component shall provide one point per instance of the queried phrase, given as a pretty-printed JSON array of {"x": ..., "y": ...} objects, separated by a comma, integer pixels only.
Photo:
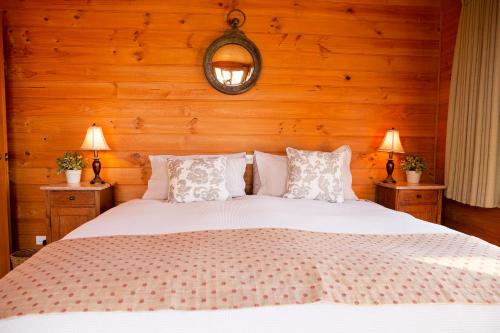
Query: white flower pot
[
  {"x": 73, "y": 176},
  {"x": 413, "y": 177}
]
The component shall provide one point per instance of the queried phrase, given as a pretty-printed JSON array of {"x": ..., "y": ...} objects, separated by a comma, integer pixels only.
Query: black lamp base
[
  {"x": 390, "y": 169},
  {"x": 96, "y": 166},
  {"x": 389, "y": 180},
  {"x": 97, "y": 180}
]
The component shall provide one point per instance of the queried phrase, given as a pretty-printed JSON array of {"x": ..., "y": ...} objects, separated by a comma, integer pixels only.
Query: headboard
[{"x": 249, "y": 175}]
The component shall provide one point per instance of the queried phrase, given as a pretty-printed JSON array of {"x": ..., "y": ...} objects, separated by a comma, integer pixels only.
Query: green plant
[
  {"x": 413, "y": 163},
  {"x": 70, "y": 161}
]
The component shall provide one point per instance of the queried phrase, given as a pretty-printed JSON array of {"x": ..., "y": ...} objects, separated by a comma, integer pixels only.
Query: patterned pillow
[
  {"x": 314, "y": 175},
  {"x": 197, "y": 179}
]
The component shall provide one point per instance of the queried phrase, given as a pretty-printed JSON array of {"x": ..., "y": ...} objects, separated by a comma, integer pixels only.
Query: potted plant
[
  {"x": 413, "y": 165},
  {"x": 71, "y": 163}
]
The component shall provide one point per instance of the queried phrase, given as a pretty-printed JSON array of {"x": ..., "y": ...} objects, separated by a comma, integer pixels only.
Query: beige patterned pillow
[
  {"x": 314, "y": 175},
  {"x": 197, "y": 179}
]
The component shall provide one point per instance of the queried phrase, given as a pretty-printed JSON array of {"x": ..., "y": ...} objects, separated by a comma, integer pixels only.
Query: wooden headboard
[{"x": 249, "y": 178}]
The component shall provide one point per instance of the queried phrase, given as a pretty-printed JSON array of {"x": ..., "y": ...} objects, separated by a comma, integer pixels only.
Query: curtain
[{"x": 472, "y": 170}]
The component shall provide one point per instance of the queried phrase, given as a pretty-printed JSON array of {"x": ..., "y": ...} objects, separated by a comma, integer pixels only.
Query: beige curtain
[{"x": 473, "y": 137}]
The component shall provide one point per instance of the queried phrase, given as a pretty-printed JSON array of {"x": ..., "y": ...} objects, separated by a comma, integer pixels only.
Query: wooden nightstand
[
  {"x": 424, "y": 201},
  {"x": 68, "y": 207}
]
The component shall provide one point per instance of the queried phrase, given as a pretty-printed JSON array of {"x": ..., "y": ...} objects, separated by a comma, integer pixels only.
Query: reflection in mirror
[{"x": 232, "y": 65}]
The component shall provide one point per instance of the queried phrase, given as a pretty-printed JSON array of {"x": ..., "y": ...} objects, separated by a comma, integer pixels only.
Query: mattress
[{"x": 150, "y": 217}]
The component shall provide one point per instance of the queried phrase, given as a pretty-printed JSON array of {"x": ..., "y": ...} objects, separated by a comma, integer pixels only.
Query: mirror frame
[{"x": 232, "y": 36}]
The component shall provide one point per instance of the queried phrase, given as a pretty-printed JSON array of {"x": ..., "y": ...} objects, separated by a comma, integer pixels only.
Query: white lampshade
[
  {"x": 391, "y": 143},
  {"x": 94, "y": 140}
]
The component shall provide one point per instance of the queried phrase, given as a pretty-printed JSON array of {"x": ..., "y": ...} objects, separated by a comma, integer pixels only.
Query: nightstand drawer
[
  {"x": 424, "y": 201},
  {"x": 417, "y": 197},
  {"x": 424, "y": 212},
  {"x": 72, "y": 198}
]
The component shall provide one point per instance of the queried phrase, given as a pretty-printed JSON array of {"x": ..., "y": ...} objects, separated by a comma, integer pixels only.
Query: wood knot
[
  {"x": 139, "y": 123},
  {"x": 138, "y": 55},
  {"x": 147, "y": 17},
  {"x": 347, "y": 77}
]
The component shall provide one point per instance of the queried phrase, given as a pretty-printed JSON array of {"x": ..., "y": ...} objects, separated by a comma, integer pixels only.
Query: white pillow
[
  {"x": 158, "y": 182},
  {"x": 270, "y": 173},
  {"x": 314, "y": 175},
  {"x": 197, "y": 179}
]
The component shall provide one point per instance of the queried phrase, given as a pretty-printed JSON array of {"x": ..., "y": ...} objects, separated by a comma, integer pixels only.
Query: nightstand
[
  {"x": 424, "y": 201},
  {"x": 68, "y": 207}
]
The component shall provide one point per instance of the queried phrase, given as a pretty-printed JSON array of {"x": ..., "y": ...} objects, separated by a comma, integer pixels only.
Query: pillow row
[{"x": 301, "y": 174}]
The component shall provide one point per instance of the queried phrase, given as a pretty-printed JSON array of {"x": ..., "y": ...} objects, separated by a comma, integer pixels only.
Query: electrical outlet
[
  {"x": 40, "y": 240},
  {"x": 249, "y": 159}
]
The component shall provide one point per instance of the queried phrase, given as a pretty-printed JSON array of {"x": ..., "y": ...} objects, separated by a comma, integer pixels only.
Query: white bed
[{"x": 139, "y": 217}]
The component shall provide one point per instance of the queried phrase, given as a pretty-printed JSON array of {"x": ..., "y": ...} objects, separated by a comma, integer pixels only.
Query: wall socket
[{"x": 40, "y": 240}]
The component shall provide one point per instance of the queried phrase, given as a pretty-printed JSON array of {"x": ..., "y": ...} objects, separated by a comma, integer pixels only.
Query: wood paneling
[
  {"x": 450, "y": 15},
  {"x": 335, "y": 72},
  {"x": 5, "y": 238}
]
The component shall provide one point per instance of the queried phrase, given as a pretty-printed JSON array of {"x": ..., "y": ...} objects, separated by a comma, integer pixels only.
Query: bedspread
[{"x": 223, "y": 269}]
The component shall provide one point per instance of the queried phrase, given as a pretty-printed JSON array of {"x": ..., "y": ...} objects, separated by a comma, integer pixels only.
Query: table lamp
[
  {"x": 391, "y": 144},
  {"x": 94, "y": 140}
]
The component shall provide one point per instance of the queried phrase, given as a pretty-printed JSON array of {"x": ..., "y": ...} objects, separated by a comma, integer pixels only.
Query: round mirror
[{"x": 232, "y": 63}]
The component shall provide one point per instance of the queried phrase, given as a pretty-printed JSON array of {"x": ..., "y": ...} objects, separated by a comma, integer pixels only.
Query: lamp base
[
  {"x": 389, "y": 180},
  {"x": 389, "y": 167},
  {"x": 96, "y": 166},
  {"x": 97, "y": 180}
]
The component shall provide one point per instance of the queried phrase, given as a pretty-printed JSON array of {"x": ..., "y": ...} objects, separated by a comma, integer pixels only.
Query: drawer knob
[
  {"x": 71, "y": 197},
  {"x": 419, "y": 196}
]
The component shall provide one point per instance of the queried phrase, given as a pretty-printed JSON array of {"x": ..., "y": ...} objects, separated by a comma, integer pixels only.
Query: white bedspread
[{"x": 157, "y": 217}]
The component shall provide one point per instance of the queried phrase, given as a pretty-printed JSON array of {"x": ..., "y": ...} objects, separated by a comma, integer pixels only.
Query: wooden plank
[
  {"x": 5, "y": 230},
  {"x": 224, "y": 108},
  {"x": 192, "y": 91},
  {"x": 101, "y": 38},
  {"x": 414, "y": 125},
  {"x": 205, "y": 143},
  {"x": 343, "y": 26},
  {"x": 194, "y": 74},
  {"x": 399, "y": 10},
  {"x": 80, "y": 55}
]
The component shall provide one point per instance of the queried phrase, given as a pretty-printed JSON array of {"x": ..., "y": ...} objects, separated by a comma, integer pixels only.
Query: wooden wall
[
  {"x": 335, "y": 72},
  {"x": 450, "y": 15}
]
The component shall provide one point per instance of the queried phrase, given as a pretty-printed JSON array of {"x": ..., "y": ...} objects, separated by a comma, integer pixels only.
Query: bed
[{"x": 270, "y": 216}]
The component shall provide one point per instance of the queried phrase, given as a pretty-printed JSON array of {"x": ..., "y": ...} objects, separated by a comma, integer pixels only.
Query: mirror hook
[{"x": 235, "y": 22}]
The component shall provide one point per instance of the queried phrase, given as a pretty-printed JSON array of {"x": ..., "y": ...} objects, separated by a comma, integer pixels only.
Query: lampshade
[
  {"x": 391, "y": 142},
  {"x": 94, "y": 140}
]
